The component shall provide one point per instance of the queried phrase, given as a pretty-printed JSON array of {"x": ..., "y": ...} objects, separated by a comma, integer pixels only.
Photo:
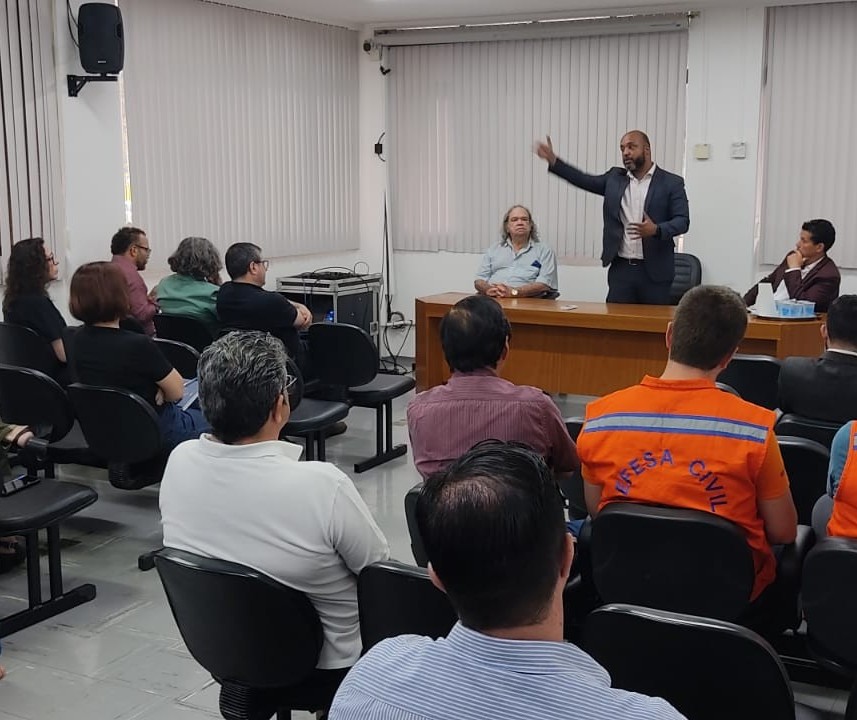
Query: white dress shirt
[
  {"x": 633, "y": 205},
  {"x": 301, "y": 523}
]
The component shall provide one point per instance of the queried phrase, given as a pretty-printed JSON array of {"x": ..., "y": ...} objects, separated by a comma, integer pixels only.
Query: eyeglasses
[
  {"x": 143, "y": 247},
  {"x": 51, "y": 259},
  {"x": 262, "y": 262}
]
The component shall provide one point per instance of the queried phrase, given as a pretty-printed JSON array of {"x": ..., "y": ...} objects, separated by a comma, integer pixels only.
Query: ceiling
[{"x": 356, "y": 13}]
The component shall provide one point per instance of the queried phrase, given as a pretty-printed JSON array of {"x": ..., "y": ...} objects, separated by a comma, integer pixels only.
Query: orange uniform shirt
[
  {"x": 684, "y": 443},
  {"x": 843, "y": 519}
]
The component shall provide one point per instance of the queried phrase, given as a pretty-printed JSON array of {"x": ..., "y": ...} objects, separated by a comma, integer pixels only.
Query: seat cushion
[
  {"x": 380, "y": 389},
  {"x": 313, "y": 415},
  {"x": 43, "y": 504}
]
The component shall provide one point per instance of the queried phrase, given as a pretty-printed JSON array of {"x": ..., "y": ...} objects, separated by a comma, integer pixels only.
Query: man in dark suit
[
  {"x": 806, "y": 273},
  {"x": 825, "y": 388},
  {"x": 645, "y": 207}
]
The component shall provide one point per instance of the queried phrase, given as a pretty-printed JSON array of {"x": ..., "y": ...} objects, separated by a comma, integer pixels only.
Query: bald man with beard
[{"x": 645, "y": 207}]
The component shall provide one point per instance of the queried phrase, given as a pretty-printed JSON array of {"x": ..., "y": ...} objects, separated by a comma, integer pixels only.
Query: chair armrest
[{"x": 790, "y": 558}]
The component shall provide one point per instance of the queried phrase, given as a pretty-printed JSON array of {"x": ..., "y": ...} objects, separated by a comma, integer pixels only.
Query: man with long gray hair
[{"x": 241, "y": 495}]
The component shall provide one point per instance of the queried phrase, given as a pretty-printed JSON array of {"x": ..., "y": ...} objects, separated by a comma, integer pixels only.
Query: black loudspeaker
[{"x": 101, "y": 38}]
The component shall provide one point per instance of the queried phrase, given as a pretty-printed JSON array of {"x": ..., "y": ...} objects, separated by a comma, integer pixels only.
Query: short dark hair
[
  {"x": 196, "y": 257},
  {"x": 709, "y": 323},
  {"x": 822, "y": 231},
  {"x": 473, "y": 333},
  {"x": 241, "y": 375},
  {"x": 842, "y": 320},
  {"x": 27, "y": 271},
  {"x": 124, "y": 238},
  {"x": 239, "y": 256},
  {"x": 98, "y": 293},
  {"x": 493, "y": 527}
]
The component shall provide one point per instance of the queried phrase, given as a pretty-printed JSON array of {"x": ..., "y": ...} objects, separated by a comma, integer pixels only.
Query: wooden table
[{"x": 595, "y": 348}]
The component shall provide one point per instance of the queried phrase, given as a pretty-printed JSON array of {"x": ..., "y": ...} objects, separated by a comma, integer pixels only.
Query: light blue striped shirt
[
  {"x": 534, "y": 263},
  {"x": 471, "y": 676}
]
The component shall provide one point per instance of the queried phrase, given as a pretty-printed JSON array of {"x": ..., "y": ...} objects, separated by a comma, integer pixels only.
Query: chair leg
[
  {"x": 146, "y": 561},
  {"x": 384, "y": 451},
  {"x": 309, "y": 447},
  {"x": 284, "y": 714},
  {"x": 322, "y": 448},
  {"x": 851, "y": 708}
]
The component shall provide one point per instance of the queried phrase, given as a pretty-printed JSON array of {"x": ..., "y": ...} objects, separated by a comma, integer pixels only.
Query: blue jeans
[{"x": 178, "y": 425}]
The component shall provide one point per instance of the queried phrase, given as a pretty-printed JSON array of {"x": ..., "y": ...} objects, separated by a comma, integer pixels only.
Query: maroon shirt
[
  {"x": 142, "y": 307},
  {"x": 446, "y": 421}
]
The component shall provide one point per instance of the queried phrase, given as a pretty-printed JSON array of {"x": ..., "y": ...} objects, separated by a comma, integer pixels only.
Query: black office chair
[
  {"x": 806, "y": 463},
  {"x": 180, "y": 355},
  {"x": 572, "y": 485},
  {"x": 29, "y": 397},
  {"x": 417, "y": 547},
  {"x": 755, "y": 377},
  {"x": 795, "y": 425},
  {"x": 43, "y": 505},
  {"x": 187, "y": 330},
  {"x": 727, "y": 388},
  {"x": 707, "y": 669},
  {"x": 345, "y": 356},
  {"x": 22, "y": 347},
  {"x": 122, "y": 430},
  {"x": 259, "y": 639},
  {"x": 829, "y": 599},
  {"x": 689, "y": 561},
  {"x": 310, "y": 418},
  {"x": 688, "y": 274},
  {"x": 397, "y": 599}
]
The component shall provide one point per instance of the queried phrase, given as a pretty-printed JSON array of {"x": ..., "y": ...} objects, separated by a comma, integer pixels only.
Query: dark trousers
[{"x": 628, "y": 282}]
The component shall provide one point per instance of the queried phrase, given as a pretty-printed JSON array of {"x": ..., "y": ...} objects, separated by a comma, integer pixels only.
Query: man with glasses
[
  {"x": 244, "y": 304},
  {"x": 131, "y": 252},
  {"x": 241, "y": 495}
]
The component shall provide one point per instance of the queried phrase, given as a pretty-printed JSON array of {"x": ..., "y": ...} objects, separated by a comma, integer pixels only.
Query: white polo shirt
[{"x": 301, "y": 523}]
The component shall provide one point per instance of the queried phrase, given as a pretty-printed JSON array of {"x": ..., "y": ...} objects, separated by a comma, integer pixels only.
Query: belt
[{"x": 630, "y": 261}]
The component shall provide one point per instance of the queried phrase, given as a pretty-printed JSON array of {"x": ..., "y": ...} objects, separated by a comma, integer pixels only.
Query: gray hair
[
  {"x": 241, "y": 376},
  {"x": 534, "y": 231},
  {"x": 197, "y": 258}
]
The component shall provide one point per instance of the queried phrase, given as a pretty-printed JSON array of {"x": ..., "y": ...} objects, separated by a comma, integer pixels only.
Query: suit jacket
[
  {"x": 821, "y": 284},
  {"x": 823, "y": 388},
  {"x": 666, "y": 204}
]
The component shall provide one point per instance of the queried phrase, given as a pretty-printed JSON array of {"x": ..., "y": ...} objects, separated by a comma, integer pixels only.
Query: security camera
[{"x": 368, "y": 46}]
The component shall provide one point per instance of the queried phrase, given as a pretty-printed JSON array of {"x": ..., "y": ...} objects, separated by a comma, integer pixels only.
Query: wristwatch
[{"x": 514, "y": 292}]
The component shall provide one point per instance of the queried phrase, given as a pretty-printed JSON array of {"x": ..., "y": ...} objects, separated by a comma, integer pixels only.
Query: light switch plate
[
  {"x": 739, "y": 150},
  {"x": 702, "y": 151}
]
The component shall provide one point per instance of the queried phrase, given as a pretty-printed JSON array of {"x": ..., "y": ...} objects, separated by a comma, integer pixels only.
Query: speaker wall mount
[{"x": 76, "y": 83}]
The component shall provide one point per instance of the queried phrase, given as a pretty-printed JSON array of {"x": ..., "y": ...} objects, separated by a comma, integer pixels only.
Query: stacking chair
[
  {"x": 417, "y": 547},
  {"x": 345, "y": 356},
  {"x": 572, "y": 485},
  {"x": 397, "y": 599},
  {"x": 795, "y": 425},
  {"x": 806, "y": 463},
  {"x": 259, "y": 639},
  {"x": 688, "y": 274},
  {"x": 755, "y": 378},
  {"x": 688, "y": 561},
  {"x": 122, "y": 430},
  {"x": 180, "y": 355},
  {"x": 187, "y": 330},
  {"x": 22, "y": 347},
  {"x": 707, "y": 669},
  {"x": 44, "y": 504},
  {"x": 829, "y": 599}
]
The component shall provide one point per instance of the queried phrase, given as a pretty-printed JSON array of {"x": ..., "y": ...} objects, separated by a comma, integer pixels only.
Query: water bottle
[{"x": 328, "y": 318}]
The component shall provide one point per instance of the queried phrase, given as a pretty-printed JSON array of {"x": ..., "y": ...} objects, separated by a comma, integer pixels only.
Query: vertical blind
[
  {"x": 810, "y": 105},
  {"x": 242, "y": 126},
  {"x": 463, "y": 118},
  {"x": 31, "y": 185}
]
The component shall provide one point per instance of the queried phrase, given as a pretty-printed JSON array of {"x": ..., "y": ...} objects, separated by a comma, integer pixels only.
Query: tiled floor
[{"x": 120, "y": 656}]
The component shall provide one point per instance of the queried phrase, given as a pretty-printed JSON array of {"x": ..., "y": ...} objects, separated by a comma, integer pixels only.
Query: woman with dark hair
[
  {"x": 100, "y": 353},
  {"x": 192, "y": 288},
  {"x": 31, "y": 267}
]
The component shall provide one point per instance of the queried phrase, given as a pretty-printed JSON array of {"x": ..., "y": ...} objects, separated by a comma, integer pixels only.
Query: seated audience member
[
  {"x": 825, "y": 388},
  {"x": 494, "y": 531},
  {"x": 476, "y": 403},
  {"x": 520, "y": 265},
  {"x": 12, "y": 549},
  {"x": 131, "y": 252},
  {"x": 241, "y": 495},
  {"x": 841, "y": 521},
  {"x": 26, "y": 302},
  {"x": 244, "y": 304},
  {"x": 101, "y": 353},
  {"x": 806, "y": 273},
  {"x": 679, "y": 441},
  {"x": 192, "y": 289}
]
